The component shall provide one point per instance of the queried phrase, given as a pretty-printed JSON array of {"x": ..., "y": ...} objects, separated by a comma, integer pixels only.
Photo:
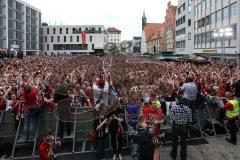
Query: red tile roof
[
  {"x": 158, "y": 33},
  {"x": 113, "y": 29},
  {"x": 150, "y": 30}
]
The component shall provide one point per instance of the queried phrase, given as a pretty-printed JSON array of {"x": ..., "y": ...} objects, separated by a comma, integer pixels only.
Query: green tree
[{"x": 114, "y": 49}]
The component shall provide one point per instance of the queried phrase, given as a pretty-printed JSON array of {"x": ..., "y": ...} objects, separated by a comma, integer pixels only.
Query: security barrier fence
[{"x": 11, "y": 130}]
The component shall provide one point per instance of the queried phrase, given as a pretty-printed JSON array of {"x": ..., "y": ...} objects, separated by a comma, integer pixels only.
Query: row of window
[
  {"x": 75, "y": 30},
  {"x": 170, "y": 45},
  {"x": 180, "y": 21},
  {"x": 181, "y": 8},
  {"x": 115, "y": 40},
  {"x": 14, "y": 5},
  {"x": 204, "y": 5},
  {"x": 2, "y": 1},
  {"x": 220, "y": 13},
  {"x": 29, "y": 45},
  {"x": 202, "y": 22},
  {"x": 115, "y": 36},
  {"x": 208, "y": 37},
  {"x": 224, "y": 14},
  {"x": 65, "y": 39},
  {"x": 59, "y": 47},
  {"x": 180, "y": 44},
  {"x": 180, "y": 32},
  {"x": 15, "y": 15},
  {"x": 19, "y": 7},
  {"x": 2, "y": 11},
  {"x": 3, "y": 43},
  {"x": 203, "y": 38},
  {"x": 30, "y": 11},
  {"x": 189, "y": 6},
  {"x": 15, "y": 23},
  {"x": 2, "y": 21},
  {"x": 2, "y": 33}
]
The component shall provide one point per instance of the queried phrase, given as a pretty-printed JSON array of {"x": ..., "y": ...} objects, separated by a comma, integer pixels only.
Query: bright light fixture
[
  {"x": 221, "y": 30},
  {"x": 229, "y": 34},
  {"x": 215, "y": 34},
  {"x": 228, "y": 29},
  {"x": 221, "y": 34}
]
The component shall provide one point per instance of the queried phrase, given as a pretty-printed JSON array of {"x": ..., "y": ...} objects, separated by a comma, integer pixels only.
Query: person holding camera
[
  {"x": 48, "y": 146},
  {"x": 100, "y": 127},
  {"x": 116, "y": 128},
  {"x": 181, "y": 116},
  {"x": 147, "y": 143}
]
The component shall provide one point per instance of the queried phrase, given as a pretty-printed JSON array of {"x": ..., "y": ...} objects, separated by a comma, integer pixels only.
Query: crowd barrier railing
[
  {"x": 7, "y": 126},
  {"x": 12, "y": 130}
]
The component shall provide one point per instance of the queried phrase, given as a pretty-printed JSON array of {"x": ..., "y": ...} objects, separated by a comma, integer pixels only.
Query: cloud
[{"x": 123, "y": 14}]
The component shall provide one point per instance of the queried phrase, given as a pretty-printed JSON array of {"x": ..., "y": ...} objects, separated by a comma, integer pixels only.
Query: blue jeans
[
  {"x": 100, "y": 148},
  {"x": 30, "y": 125},
  {"x": 134, "y": 146},
  {"x": 192, "y": 105}
]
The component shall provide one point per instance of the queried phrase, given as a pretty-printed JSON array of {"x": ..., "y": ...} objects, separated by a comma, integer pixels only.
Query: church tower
[
  {"x": 143, "y": 39},
  {"x": 144, "y": 20}
]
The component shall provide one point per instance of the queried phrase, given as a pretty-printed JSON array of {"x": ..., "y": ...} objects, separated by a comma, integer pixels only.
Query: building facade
[
  {"x": 169, "y": 27},
  {"x": 19, "y": 26},
  {"x": 114, "y": 35},
  {"x": 156, "y": 43},
  {"x": 170, "y": 38},
  {"x": 216, "y": 24},
  {"x": 154, "y": 38},
  {"x": 184, "y": 27},
  {"x": 155, "y": 34},
  {"x": 136, "y": 45},
  {"x": 74, "y": 39}
]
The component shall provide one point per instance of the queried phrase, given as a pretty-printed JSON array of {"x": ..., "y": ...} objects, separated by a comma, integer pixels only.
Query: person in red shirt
[
  {"x": 31, "y": 111},
  {"x": 152, "y": 118},
  {"x": 47, "y": 147},
  {"x": 30, "y": 94}
]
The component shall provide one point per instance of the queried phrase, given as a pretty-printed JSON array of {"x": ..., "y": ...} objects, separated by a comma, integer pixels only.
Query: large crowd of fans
[
  {"x": 97, "y": 81},
  {"x": 130, "y": 77}
]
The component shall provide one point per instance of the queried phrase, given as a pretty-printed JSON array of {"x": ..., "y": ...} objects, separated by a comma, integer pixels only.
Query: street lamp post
[{"x": 223, "y": 34}]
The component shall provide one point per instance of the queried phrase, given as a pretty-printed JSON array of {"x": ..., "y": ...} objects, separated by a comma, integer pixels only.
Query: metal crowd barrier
[
  {"x": 7, "y": 127},
  {"x": 74, "y": 143},
  {"x": 12, "y": 131},
  {"x": 206, "y": 118}
]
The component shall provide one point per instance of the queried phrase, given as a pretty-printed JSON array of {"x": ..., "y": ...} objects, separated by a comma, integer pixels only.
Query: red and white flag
[{"x": 83, "y": 37}]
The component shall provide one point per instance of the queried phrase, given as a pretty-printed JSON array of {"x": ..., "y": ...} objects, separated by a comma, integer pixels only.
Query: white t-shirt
[
  {"x": 8, "y": 105},
  {"x": 98, "y": 91}
]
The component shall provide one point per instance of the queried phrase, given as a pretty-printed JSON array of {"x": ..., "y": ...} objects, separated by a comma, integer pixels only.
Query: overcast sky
[{"x": 122, "y": 14}]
